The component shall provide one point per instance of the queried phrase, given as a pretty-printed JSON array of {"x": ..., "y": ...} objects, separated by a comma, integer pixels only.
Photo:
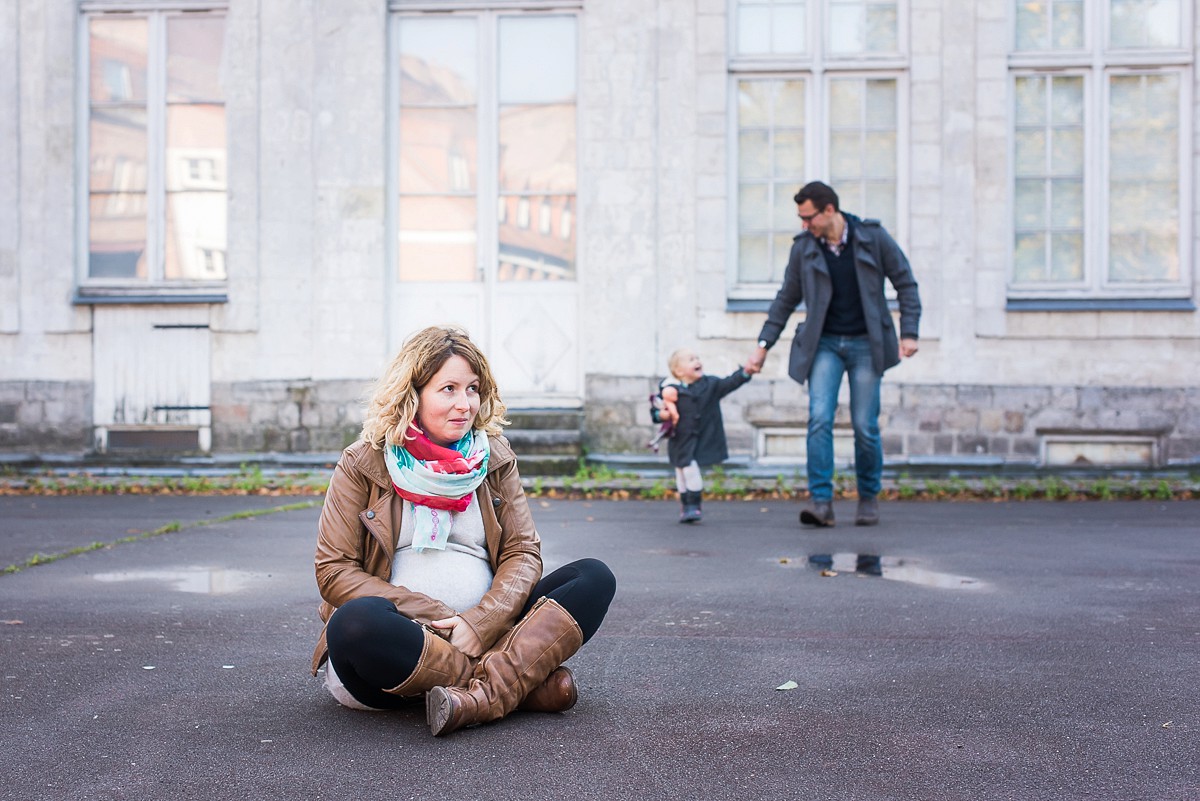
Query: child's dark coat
[{"x": 700, "y": 433}]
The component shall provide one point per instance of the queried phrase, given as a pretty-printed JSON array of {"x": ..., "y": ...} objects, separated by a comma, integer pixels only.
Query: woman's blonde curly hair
[{"x": 393, "y": 400}]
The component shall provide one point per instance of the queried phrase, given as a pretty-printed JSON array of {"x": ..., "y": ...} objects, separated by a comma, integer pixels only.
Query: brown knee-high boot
[
  {"x": 440, "y": 664},
  {"x": 521, "y": 662}
]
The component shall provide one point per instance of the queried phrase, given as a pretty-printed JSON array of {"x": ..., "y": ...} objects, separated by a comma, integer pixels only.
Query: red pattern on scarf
[{"x": 439, "y": 460}]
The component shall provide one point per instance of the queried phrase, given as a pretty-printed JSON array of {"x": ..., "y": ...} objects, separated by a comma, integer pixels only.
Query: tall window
[
  {"x": 817, "y": 85},
  {"x": 486, "y": 147},
  {"x": 1100, "y": 142},
  {"x": 155, "y": 149}
]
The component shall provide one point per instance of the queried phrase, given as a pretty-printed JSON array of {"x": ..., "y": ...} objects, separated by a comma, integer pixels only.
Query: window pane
[
  {"x": 862, "y": 26},
  {"x": 1144, "y": 124},
  {"x": 1030, "y": 152},
  {"x": 754, "y": 30},
  {"x": 754, "y": 261},
  {"x": 195, "y": 242},
  {"x": 537, "y": 59},
  {"x": 789, "y": 103},
  {"x": 879, "y": 200},
  {"x": 1029, "y": 204},
  {"x": 845, "y": 153},
  {"x": 1145, "y": 23},
  {"x": 1068, "y": 24},
  {"x": 789, "y": 152},
  {"x": 754, "y": 103},
  {"x": 881, "y": 28},
  {"x": 438, "y": 61},
  {"x": 1066, "y": 257},
  {"x": 1029, "y": 258},
  {"x": 195, "y": 50},
  {"x": 879, "y": 154},
  {"x": 1066, "y": 208},
  {"x": 1066, "y": 152},
  {"x": 846, "y": 103},
  {"x": 753, "y": 206},
  {"x": 437, "y": 150},
  {"x": 539, "y": 250},
  {"x": 881, "y": 104},
  {"x": 117, "y": 150},
  {"x": 784, "y": 218},
  {"x": 537, "y": 148},
  {"x": 437, "y": 239},
  {"x": 195, "y": 154},
  {"x": 117, "y": 54},
  {"x": 754, "y": 155},
  {"x": 117, "y": 235},
  {"x": 1033, "y": 25},
  {"x": 1031, "y": 101},
  {"x": 789, "y": 29}
]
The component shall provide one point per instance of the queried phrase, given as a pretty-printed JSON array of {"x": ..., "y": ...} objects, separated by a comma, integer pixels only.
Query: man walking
[{"x": 836, "y": 268}]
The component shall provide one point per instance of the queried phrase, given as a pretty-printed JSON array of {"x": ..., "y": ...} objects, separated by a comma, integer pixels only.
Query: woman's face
[{"x": 448, "y": 404}]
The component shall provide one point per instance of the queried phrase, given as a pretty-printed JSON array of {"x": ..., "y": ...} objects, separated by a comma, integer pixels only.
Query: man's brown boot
[{"x": 536, "y": 646}]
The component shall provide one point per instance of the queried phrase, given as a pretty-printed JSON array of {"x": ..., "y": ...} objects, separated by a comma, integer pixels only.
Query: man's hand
[
  {"x": 755, "y": 363},
  {"x": 908, "y": 347}
]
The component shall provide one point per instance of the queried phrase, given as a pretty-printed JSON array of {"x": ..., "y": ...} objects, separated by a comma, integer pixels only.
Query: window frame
[
  {"x": 155, "y": 287},
  {"x": 817, "y": 68},
  {"x": 1098, "y": 63}
]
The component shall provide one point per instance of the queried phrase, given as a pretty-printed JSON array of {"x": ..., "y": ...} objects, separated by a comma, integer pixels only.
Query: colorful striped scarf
[{"x": 437, "y": 480}]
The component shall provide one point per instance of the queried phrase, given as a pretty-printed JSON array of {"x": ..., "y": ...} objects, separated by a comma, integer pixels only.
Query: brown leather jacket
[{"x": 356, "y": 540}]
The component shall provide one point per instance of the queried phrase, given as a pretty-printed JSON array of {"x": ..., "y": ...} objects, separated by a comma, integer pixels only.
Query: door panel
[{"x": 152, "y": 372}]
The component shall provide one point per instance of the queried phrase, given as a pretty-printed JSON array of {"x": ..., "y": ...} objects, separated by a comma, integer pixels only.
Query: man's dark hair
[{"x": 820, "y": 194}]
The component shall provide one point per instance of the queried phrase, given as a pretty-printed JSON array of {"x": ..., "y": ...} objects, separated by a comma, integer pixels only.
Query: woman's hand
[{"x": 460, "y": 635}]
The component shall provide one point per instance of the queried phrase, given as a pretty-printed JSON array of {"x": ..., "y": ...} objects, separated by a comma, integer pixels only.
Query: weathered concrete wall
[
  {"x": 287, "y": 416},
  {"x": 45, "y": 416}
]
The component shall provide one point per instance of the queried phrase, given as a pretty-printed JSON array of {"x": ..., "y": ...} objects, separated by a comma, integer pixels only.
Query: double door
[{"x": 483, "y": 212}]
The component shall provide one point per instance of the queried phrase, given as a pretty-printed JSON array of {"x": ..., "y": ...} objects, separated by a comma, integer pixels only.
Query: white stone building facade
[{"x": 219, "y": 218}]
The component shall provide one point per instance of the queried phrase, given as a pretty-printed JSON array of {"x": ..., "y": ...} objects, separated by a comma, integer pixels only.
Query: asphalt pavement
[{"x": 970, "y": 650}]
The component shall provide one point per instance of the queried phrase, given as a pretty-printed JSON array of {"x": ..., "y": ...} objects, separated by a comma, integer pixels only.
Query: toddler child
[{"x": 699, "y": 438}]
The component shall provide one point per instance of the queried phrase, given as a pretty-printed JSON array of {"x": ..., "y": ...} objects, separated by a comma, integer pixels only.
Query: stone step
[
  {"x": 534, "y": 465},
  {"x": 529, "y": 442},
  {"x": 563, "y": 419}
]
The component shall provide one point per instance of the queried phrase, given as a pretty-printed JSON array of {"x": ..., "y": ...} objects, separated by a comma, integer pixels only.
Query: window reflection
[
  {"x": 156, "y": 145},
  {"x": 541, "y": 252}
]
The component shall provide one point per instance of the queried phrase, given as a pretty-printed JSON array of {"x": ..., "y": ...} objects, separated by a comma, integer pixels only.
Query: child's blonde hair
[
  {"x": 393, "y": 401},
  {"x": 676, "y": 359}
]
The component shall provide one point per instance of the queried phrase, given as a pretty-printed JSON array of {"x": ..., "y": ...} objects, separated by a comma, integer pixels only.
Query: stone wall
[
  {"x": 45, "y": 416},
  {"x": 1151, "y": 427},
  {"x": 286, "y": 416}
]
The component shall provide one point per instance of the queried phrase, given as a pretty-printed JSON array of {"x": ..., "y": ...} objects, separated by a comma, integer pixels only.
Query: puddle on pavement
[
  {"x": 203, "y": 580},
  {"x": 891, "y": 568}
]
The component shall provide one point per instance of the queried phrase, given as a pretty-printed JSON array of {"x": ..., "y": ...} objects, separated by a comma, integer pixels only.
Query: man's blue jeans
[{"x": 838, "y": 355}]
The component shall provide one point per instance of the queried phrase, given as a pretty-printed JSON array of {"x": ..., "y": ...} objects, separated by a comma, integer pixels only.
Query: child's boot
[{"x": 691, "y": 507}]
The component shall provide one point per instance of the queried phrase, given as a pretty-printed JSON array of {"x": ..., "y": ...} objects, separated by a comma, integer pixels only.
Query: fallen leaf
[
  {"x": 787, "y": 685},
  {"x": 785, "y": 561},
  {"x": 14, "y": 622},
  {"x": 827, "y": 572}
]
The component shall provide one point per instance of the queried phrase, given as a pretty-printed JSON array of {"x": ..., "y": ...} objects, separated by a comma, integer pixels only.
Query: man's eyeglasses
[{"x": 807, "y": 218}]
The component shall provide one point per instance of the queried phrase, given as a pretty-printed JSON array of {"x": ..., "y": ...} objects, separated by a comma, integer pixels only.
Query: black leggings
[{"x": 373, "y": 647}]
